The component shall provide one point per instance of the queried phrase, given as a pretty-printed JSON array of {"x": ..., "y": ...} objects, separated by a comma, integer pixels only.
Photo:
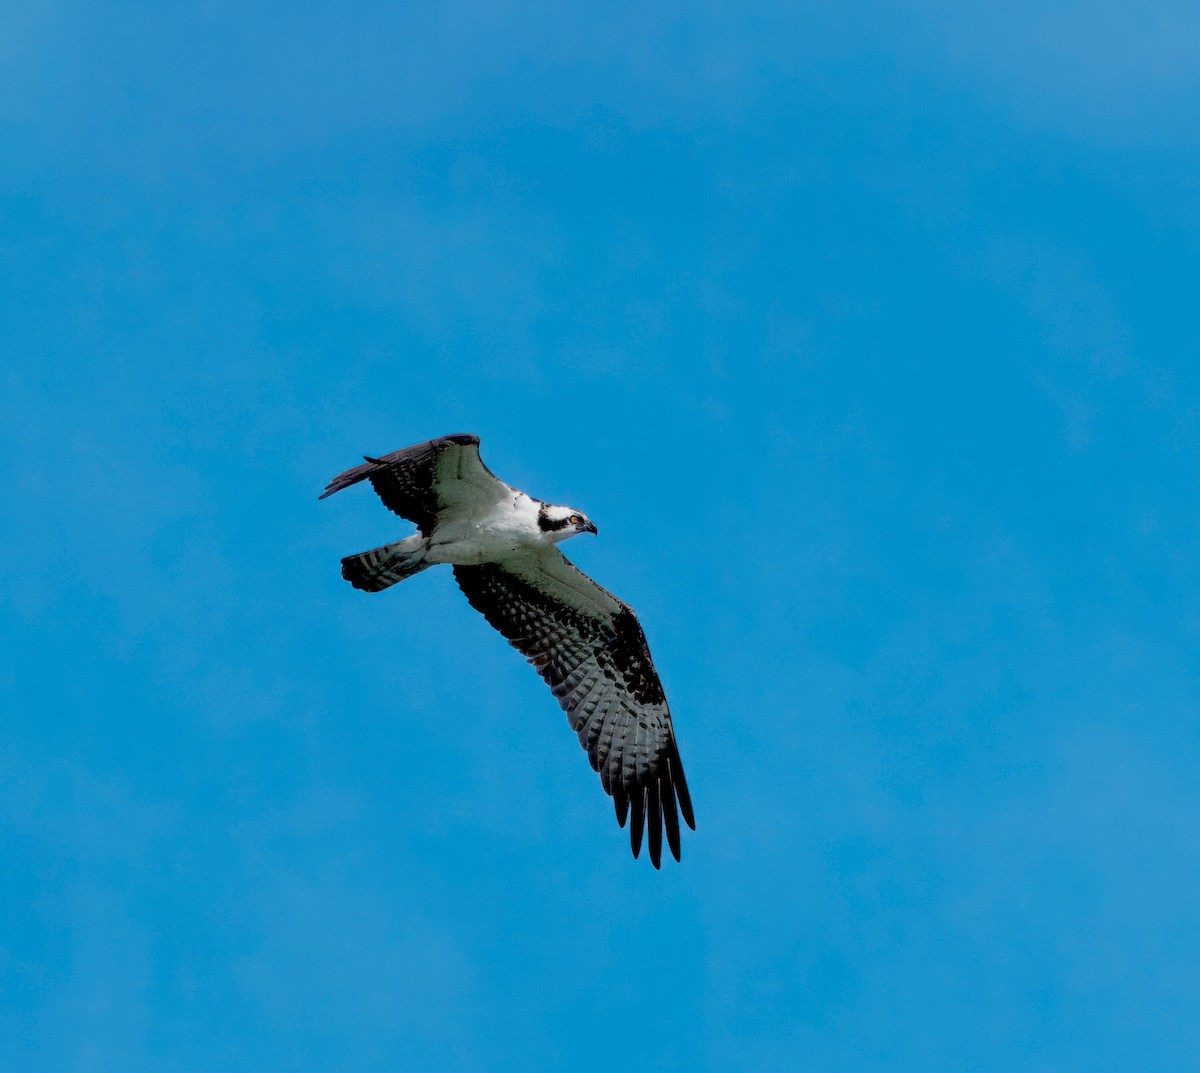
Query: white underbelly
[{"x": 471, "y": 541}]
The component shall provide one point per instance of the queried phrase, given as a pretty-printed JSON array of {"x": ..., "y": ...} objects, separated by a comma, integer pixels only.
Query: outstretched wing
[
  {"x": 421, "y": 482},
  {"x": 590, "y": 649}
]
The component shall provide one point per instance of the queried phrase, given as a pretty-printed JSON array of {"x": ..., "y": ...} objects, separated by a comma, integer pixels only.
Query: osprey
[{"x": 585, "y": 643}]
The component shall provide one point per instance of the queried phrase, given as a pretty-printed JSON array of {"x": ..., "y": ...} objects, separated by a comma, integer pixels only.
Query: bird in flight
[{"x": 585, "y": 643}]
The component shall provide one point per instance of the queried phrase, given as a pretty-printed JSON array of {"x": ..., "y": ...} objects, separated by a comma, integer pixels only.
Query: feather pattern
[
  {"x": 419, "y": 483},
  {"x": 597, "y": 664}
]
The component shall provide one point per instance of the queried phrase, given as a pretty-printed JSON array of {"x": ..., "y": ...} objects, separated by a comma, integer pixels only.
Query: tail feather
[{"x": 375, "y": 570}]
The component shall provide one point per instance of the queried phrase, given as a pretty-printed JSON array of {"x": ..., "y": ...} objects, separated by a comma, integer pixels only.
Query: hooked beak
[{"x": 589, "y": 528}]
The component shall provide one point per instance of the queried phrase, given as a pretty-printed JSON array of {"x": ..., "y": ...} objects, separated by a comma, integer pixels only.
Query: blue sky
[{"x": 867, "y": 335}]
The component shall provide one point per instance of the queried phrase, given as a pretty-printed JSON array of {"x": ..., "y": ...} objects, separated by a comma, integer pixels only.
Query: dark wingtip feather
[
  {"x": 654, "y": 822},
  {"x": 671, "y": 819},
  {"x": 638, "y": 801},
  {"x": 620, "y": 803},
  {"x": 681, "y": 787},
  {"x": 344, "y": 480}
]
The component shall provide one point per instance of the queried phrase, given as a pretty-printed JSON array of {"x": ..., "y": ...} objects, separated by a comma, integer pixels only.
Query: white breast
[{"x": 508, "y": 527}]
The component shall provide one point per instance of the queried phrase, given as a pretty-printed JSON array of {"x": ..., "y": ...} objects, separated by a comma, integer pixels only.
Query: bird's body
[
  {"x": 584, "y": 642},
  {"x": 509, "y": 528}
]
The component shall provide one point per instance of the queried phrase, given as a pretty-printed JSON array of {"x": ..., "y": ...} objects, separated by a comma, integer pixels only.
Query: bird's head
[{"x": 559, "y": 523}]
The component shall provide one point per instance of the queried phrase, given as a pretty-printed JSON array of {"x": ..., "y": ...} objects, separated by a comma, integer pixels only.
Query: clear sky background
[{"x": 867, "y": 334}]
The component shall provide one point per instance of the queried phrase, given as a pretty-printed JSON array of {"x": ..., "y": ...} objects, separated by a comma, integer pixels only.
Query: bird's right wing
[{"x": 421, "y": 482}]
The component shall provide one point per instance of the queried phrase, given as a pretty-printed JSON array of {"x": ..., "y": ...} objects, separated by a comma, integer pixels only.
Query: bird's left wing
[{"x": 590, "y": 649}]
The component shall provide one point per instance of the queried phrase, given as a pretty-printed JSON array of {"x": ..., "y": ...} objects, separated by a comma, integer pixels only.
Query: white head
[{"x": 559, "y": 523}]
